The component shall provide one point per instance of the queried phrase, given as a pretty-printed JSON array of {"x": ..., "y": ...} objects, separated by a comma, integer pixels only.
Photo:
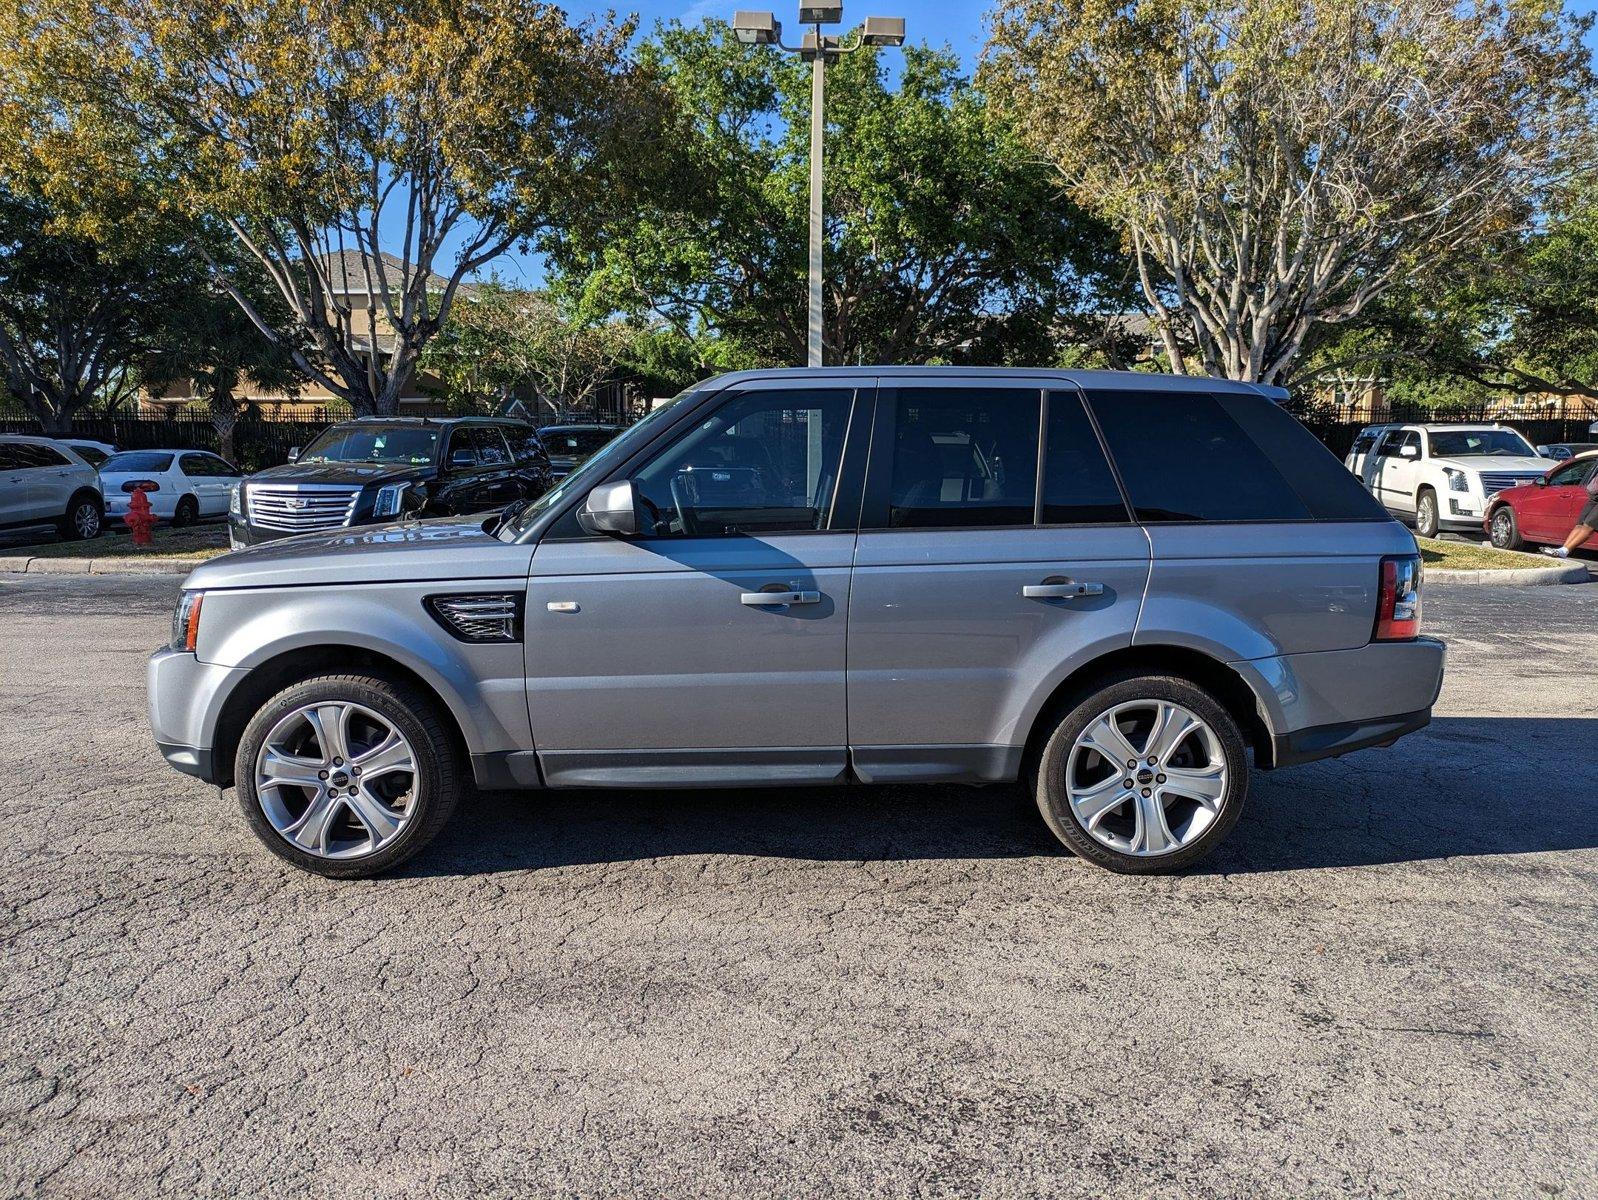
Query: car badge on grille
[{"x": 295, "y": 503}]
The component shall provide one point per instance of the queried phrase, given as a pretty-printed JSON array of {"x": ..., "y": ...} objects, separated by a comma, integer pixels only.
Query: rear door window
[
  {"x": 1078, "y": 486},
  {"x": 1183, "y": 459},
  {"x": 963, "y": 457}
]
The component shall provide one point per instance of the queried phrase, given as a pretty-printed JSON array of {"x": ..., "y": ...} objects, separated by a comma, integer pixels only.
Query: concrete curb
[
  {"x": 1515, "y": 577},
  {"x": 99, "y": 566}
]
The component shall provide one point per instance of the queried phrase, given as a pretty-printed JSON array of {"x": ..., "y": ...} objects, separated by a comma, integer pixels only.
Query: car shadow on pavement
[{"x": 1463, "y": 786}]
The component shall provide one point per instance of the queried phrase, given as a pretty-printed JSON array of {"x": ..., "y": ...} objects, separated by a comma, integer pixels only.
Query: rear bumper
[{"x": 1333, "y": 702}]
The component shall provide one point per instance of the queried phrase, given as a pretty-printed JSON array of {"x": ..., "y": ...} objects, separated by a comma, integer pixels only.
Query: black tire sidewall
[
  {"x": 413, "y": 714},
  {"x": 1049, "y": 782},
  {"x": 186, "y": 513}
]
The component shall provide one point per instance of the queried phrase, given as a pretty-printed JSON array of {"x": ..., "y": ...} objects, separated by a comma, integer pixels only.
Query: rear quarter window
[{"x": 1193, "y": 457}]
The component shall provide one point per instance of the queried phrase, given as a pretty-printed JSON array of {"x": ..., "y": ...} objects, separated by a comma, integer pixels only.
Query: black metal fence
[{"x": 1337, "y": 424}]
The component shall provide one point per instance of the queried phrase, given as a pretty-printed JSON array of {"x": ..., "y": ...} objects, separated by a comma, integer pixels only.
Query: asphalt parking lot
[{"x": 1383, "y": 985}]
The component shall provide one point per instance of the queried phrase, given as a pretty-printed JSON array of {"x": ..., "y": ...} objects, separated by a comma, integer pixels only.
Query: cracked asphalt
[{"x": 1383, "y": 985}]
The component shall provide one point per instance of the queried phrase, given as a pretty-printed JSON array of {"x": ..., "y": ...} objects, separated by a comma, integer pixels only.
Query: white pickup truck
[{"x": 1442, "y": 476}]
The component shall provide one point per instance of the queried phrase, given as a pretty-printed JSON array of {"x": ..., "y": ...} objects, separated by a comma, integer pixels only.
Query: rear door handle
[
  {"x": 1066, "y": 590},
  {"x": 778, "y": 599}
]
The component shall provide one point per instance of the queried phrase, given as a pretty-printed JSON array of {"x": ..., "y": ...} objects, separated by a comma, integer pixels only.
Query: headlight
[
  {"x": 388, "y": 499},
  {"x": 186, "y": 621},
  {"x": 1458, "y": 481},
  {"x": 235, "y": 500}
]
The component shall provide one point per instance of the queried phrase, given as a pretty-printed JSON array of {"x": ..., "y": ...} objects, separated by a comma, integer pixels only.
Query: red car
[{"x": 1543, "y": 511}]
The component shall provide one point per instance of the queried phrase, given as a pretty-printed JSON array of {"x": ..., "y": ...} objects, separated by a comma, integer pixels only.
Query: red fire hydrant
[{"x": 140, "y": 520}]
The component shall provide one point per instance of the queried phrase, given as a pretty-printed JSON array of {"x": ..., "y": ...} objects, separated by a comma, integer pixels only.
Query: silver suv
[
  {"x": 1114, "y": 588},
  {"x": 45, "y": 482}
]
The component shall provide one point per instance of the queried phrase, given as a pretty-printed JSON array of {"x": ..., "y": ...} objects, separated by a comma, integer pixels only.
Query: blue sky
[{"x": 960, "y": 26}]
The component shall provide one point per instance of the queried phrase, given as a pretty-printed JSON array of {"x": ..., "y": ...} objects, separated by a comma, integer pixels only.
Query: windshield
[
  {"x": 575, "y": 442},
  {"x": 1494, "y": 443},
  {"x": 594, "y": 467},
  {"x": 374, "y": 442},
  {"x": 142, "y": 460}
]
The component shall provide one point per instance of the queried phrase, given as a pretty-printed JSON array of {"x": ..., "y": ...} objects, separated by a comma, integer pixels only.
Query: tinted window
[
  {"x": 92, "y": 455},
  {"x": 462, "y": 448},
  {"x": 10, "y": 456},
  {"x": 576, "y": 443},
  {"x": 138, "y": 460},
  {"x": 1364, "y": 441},
  {"x": 1078, "y": 488},
  {"x": 763, "y": 462},
  {"x": 1332, "y": 492},
  {"x": 524, "y": 444},
  {"x": 491, "y": 448},
  {"x": 1184, "y": 459},
  {"x": 964, "y": 457},
  {"x": 205, "y": 466},
  {"x": 1390, "y": 443}
]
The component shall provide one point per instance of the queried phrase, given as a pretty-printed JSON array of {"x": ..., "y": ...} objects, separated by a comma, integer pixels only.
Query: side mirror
[
  {"x": 610, "y": 508},
  {"x": 294, "y": 454},
  {"x": 1542, "y": 451},
  {"x": 1409, "y": 452},
  {"x": 1542, "y": 481}
]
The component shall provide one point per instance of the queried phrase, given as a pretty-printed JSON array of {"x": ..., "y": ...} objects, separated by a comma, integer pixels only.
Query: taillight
[
  {"x": 1398, "y": 600},
  {"x": 141, "y": 485}
]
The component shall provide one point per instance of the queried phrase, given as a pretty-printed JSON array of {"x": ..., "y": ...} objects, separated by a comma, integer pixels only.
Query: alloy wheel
[
  {"x": 1146, "y": 778},
  {"x": 336, "y": 779},
  {"x": 1503, "y": 529},
  {"x": 86, "y": 520}
]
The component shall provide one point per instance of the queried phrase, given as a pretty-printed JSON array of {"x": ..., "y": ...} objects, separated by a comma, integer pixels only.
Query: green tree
[
  {"x": 501, "y": 341},
  {"x": 1276, "y": 168},
  {"x": 323, "y": 132},
  {"x": 78, "y": 316},
  {"x": 941, "y": 233}
]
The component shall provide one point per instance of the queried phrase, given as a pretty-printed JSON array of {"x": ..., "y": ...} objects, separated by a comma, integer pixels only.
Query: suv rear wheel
[
  {"x": 1144, "y": 776},
  {"x": 1426, "y": 523},
  {"x": 82, "y": 519},
  {"x": 347, "y": 775}
]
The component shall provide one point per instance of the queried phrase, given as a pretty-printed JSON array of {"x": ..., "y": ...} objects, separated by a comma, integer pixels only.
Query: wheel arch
[
  {"x": 1214, "y": 676},
  {"x": 272, "y": 675}
]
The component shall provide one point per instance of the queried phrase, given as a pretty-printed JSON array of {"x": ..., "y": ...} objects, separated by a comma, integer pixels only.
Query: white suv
[
  {"x": 43, "y": 482},
  {"x": 1442, "y": 476}
]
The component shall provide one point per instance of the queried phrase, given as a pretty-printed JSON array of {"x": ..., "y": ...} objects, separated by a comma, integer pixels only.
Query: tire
[
  {"x": 1426, "y": 516},
  {"x": 1504, "y": 529},
  {"x": 186, "y": 513},
  {"x": 1213, "y": 752},
  {"x": 335, "y": 839},
  {"x": 84, "y": 518}
]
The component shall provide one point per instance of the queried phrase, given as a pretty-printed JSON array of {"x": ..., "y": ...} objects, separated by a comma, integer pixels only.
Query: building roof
[{"x": 353, "y": 272}]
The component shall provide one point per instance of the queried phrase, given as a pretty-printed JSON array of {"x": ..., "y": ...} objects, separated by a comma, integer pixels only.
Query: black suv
[{"x": 376, "y": 469}]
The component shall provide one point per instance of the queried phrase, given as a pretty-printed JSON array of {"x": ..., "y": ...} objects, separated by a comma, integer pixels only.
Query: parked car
[
  {"x": 809, "y": 577},
  {"x": 1441, "y": 476},
  {"x": 182, "y": 486},
  {"x": 43, "y": 482},
  {"x": 90, "y": 451},
  {"x": 382, "y": 468},
  {"x": 570, "y": 445},
  {"x": 1565, "y": 451},
  {"x": 1544, "y": 511}
]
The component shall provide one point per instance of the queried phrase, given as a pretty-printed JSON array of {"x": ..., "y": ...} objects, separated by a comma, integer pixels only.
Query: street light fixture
[{"x": 763, "y": 29}]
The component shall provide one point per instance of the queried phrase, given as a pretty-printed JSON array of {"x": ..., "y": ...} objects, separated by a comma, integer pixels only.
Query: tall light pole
[{"x": 763, "y": 29}]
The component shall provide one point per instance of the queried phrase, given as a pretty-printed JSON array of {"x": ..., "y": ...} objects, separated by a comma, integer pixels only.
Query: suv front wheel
[
  {"x": 347, "y": 775},
  {"x": 1426, "y": 519},
  {"x": 1144, "y": 776}
]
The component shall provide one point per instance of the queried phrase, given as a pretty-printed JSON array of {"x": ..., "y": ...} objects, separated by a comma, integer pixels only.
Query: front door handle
[
  {"x": 778, "y": 599},
  {"x": 1062, "y": 590}
]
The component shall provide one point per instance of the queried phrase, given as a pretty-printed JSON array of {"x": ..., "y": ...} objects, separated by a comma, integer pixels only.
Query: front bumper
[
  {"x": 1332, "y": 702},
  {"x": 186, "y": 698}
]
